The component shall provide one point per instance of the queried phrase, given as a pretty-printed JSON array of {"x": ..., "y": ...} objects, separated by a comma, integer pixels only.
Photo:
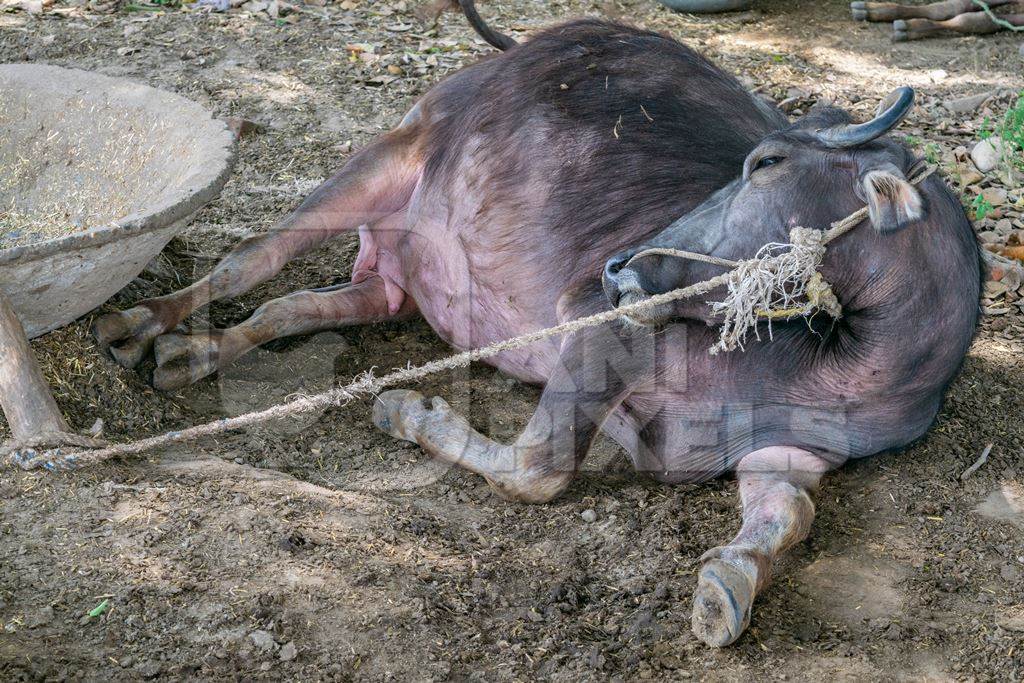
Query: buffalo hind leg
[
  {"x": 775, "y": 487},
  {"x": 186, "y": 358},
  {"x": 543, "y": 460},
  {"x": 375, "y": 183},
  {"x": 972, "y": 23}
]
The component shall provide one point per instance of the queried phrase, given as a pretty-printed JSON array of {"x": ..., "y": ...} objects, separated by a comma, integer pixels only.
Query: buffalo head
[{"x": 818, "y": 170}]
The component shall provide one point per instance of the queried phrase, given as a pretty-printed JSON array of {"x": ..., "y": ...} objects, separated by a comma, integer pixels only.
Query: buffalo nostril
[{"x": 614, "y": 265}]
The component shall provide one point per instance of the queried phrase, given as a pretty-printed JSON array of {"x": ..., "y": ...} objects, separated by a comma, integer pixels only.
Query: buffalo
[{"x": 514, "y": 196}]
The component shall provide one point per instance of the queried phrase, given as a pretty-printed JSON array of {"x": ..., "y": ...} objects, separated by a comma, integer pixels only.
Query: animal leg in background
[
  {"x": 912, "y": 22},
  {"x": 431, "y": 10},
  {"x": 936, "y": 11},
  {"x": 972, "y": 22},
  {"x": 374, "y": 184}
]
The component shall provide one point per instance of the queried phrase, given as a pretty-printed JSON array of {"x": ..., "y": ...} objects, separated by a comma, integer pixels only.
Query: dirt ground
[{"x": 321, "y": 549}]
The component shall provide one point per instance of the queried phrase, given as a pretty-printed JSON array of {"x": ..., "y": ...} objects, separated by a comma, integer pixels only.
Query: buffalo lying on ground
[{"x": 512, "y": 196}]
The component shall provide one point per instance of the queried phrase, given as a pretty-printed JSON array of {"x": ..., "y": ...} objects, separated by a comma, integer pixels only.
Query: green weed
[
  {"x": 982, "y": 207},
  {"x": 1010, "y": 130}
]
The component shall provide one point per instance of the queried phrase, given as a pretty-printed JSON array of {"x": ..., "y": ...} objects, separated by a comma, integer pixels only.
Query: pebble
[
  {"x": 239, "y": 126},
  {"x": 1012, "y": 280},
  {"x": 994, "y": 289},
  {"x": 217, "y": 5},
  {"x": 289, "y": 652},
  {"x": 262, "y": 640},
  {"x": 894, "y": 632},
  {"x": 987, "y": 154},
  {"x": 1012, "y": 623},
  {"x": 148, "y": 669},
  {"x": 996, "y": 196},
  {"x": 807, "y": 631},
  {"x": 966, "y": 105},
  {"x": 589, "y": 516}
]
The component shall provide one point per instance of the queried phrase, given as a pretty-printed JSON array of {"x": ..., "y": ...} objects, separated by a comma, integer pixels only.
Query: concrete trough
[{"x": 97, "y": 174}]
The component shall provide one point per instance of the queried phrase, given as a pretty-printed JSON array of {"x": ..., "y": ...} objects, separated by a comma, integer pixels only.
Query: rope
[
  {"x": 994, "y": 18},
  {"x": 366, "y": 383}
]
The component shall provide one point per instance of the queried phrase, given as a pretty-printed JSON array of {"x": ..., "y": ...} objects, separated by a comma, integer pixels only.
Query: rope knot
[
  {"x": 807, "y": 238},
  {"x": 770, "y": 287}
]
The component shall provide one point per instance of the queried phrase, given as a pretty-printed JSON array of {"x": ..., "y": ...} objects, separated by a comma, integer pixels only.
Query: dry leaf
[{"x": 1013, "y": 252}]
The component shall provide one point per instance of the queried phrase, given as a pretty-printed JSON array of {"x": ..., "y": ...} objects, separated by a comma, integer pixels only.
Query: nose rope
[
  {"x": 805, "y": 240},
  {"x": 780, "y": 282}
]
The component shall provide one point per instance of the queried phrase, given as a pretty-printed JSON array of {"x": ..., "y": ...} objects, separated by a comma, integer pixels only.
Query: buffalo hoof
[
  {"x": 399, "y": 412},
  {"x": 127, "y": 335},
  {"x": 900, "y": 33},
  {"x": 874, "y": 11},
  {"x": 721, "y": 603},
  {"x": 183, "y": 359},
  {"x": 707, "y": 6}
]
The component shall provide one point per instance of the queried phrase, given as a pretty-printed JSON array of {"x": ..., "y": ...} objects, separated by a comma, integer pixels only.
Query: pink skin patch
[{"x": 365, "y": 267}]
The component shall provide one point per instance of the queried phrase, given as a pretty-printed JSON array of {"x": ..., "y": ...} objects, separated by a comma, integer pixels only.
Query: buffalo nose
[
  {"x": 615, "y": 264},
  {"x": 612, "y": 268}
]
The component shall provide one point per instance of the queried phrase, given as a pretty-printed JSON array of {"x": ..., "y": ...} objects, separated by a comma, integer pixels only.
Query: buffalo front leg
[
  {"x": 543, "y": 460},
  {"x": 376, "y": 183},
  {"x": 775, "y": 487},
  {"x": 186, "y": 358}
]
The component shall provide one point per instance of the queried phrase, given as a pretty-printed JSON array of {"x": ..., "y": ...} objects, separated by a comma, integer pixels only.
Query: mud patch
[
  {"x": 853, "y": 588},
  {"x": 1005, "y": 505}
]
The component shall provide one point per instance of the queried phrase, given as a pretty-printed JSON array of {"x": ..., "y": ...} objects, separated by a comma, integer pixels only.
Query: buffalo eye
[{"x": 765, "y": 162}]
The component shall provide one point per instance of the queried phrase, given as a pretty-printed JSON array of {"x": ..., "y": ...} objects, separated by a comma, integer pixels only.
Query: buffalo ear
[{"x": 893, "y": 203}]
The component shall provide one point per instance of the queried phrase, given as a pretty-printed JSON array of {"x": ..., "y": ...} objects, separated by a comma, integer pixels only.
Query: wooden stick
[
  {"x": 24, "y": 394},
  {"x": 977, "y": 463}
]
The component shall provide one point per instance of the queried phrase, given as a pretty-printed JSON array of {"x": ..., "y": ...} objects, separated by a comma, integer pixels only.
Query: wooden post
[{"x": 24, "y": 395}]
